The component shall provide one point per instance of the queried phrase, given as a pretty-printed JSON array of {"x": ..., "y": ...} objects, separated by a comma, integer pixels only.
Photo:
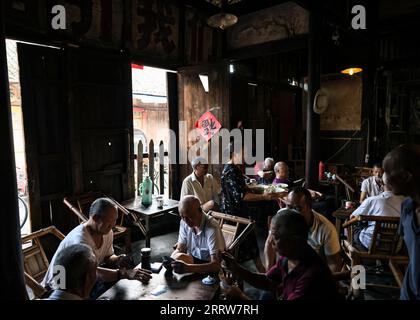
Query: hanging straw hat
[{"x": 321, "y": 101}]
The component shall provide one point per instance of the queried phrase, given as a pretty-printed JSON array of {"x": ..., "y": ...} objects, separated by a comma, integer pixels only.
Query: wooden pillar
[
  {"x": 11, "y": 266},
  {"x": 172, "y": 89},
  {"x": 314, "y": 79}
]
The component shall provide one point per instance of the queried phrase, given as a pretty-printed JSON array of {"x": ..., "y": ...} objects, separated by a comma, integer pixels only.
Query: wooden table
[
  {"x": 187, "y": 288},
  {"x": 335, "y": 184},
  {"x": 142, "y": 212},
  {"x": 340, "y": 216}
]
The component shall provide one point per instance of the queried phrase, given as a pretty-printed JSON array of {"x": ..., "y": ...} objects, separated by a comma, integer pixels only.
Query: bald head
[
  {"x": 290, "y": 233},
  {"x": 190, "y": 211},
  {"x": 402, "y": 168},
  {"x": 282, "y": 170}
]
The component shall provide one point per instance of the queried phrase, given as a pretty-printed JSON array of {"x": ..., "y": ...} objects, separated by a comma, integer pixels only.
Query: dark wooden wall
[
  {"x": 194, "y": 101},
  {"x": 77, "y": 112},
  {"x": 46, "y": 130},
  {"x": 263, "y": 98},
  {"x": 100, "y": 97},
  {"x": 347, "y": 109}
]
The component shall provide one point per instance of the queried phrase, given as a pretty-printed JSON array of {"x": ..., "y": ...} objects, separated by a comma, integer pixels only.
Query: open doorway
[
  {"x": 18, "y": 136},
  {"x": 151, "y": 119}
]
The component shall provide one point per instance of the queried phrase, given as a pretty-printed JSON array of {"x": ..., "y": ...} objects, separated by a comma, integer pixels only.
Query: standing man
[
  {"x": 402, "y": 166},
  {"x": 201, "y": 184}
]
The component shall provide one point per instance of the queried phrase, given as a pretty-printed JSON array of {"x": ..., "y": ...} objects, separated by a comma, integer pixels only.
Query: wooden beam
[
  {"x": 173, "y": 147},
  {"x": 299, "y": 42},
  {"x": 245, "y": 7},
  {"x": 313, "y": 119}
]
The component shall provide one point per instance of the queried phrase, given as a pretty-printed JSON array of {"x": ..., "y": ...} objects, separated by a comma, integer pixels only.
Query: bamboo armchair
[
  {"x": 79, "y": 205},
  {"x": 35, "y": 260},
  {"x": 235, "y": 230},
  {"x": 385, "y": 246}
]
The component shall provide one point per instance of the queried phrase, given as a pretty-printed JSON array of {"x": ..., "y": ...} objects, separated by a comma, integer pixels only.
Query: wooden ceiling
[
  {"x": 218, "y": 3},
  {"x": 387, "y": 15},
  {"x": 237, "y": 7}
]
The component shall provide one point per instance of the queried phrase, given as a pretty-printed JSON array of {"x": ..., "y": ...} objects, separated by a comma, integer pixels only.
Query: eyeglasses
[{"x": 294, "y": 207}]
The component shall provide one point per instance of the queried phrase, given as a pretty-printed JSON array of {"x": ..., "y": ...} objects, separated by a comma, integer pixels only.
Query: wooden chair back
[
  {"x": 80, "y": 206},
  {"x": 385, "y": 237},
  {"x": 385, "y": 246},
  {"x": 235, "y": 230},
  {"x": 35, "y": 260}
]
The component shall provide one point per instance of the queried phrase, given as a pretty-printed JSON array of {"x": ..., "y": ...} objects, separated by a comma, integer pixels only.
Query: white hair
[
  {"x": 198, "y": 160},
  {"x": 279, "y": 165},
  {"x": 270, "y": 160}
]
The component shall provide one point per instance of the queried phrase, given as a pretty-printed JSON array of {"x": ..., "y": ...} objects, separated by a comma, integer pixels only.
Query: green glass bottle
[{"x": 146, "y": 191}]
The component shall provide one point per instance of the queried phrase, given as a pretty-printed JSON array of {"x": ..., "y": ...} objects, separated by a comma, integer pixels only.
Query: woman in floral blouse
[
  {"x": 235, "y": 198},
  {"x": 235, "y": 192}
]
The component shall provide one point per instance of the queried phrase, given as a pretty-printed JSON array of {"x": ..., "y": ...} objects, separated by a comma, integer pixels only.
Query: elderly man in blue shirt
[{"x": 402, "y": 165}]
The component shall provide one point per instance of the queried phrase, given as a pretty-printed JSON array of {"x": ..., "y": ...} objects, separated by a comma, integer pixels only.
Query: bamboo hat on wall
[{"x": 321, "y": 101}]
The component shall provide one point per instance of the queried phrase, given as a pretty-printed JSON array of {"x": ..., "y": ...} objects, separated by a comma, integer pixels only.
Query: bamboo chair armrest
[
  {"x": 351, "y": 221},
  {"x": 370, "y": 218},
  {"x": 37, "y": 234},
  {"x": 37, "y": 289},
  {"x": 378, "y": 218}
]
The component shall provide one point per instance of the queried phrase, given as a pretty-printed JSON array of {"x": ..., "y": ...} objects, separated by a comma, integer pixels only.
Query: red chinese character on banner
[{"x": 208, "y": 125}]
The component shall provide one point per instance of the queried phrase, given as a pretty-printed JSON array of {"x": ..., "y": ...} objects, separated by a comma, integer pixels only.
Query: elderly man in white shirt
[
  {"x": 201, "y": 184},
  {"x": 373, "y": 185},
  {"x": 322, "y": 235},
  {"x": 385, "y": 204},
  {"x": 98, "y": 235},
  {"x": 200, "y": 240}
]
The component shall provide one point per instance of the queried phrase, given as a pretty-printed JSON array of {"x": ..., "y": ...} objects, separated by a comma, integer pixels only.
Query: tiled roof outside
[
  {"x": 12, "y": 61},
  {"x": 149, "y": 81}
]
